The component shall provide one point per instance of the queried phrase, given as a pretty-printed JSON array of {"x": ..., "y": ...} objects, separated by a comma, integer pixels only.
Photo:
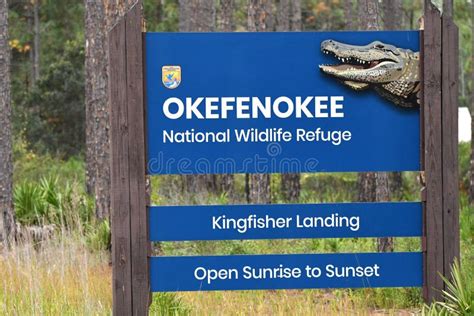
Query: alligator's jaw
[
  {"x": 361, "y": 64},
  {"x": 374, "y": 72}
]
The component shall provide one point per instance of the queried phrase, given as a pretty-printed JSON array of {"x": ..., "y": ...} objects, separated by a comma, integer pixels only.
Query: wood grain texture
[
  {"x": 138, "y": 219},
  {"x": 450, "y": 143},
  {"x": 120, "y": 185},
  {"x": 433, "y": 154}
]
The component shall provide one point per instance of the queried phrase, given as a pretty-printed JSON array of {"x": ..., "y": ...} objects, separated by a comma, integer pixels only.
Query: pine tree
[
  {"x": 373, "y": 186},
  {"x": 7, "y": 218},
  {"x": 289, "y": 19},
  {"x": 259, "y": 19},
  {"x": 392, "y": 20},
  {"x": 198, "y": 16}
]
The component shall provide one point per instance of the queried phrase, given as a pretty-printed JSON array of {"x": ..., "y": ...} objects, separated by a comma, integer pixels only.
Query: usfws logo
[{"x": 171, "y": 76}]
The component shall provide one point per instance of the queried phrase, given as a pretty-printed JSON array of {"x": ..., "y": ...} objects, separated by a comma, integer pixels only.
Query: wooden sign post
[
  {"x": 130, "y": 245},
  {"x": 440, "y": 149},
  {"x": 135, "y": 274}
]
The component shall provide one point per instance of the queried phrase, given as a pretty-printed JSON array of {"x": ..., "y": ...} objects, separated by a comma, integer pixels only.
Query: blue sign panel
[
  {"x": 270, "y": 102},
  {"x": 337, "y": 220},
  {"x": 250, "y": 272}
]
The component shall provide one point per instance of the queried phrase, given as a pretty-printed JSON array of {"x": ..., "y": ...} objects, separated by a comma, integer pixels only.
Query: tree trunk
[
  {"x": 290, "y": 186},
  {"x": 198, "y": 16},
  {"x": 295, "y": 16},
  {"x": 392, "y": 19},
  {"x": 225, "y": 182},
  {"x": 7, "y": 217},
  {"x": 259, "y": 189},
  {"x": 392, "y": 14},
  {"x": 349, "y": 14},
  {"x": 366, "y": 186},
  {"x": 396, "y": 185},
  {"x": 382, "y": 194},
  {"x": 259, "y": 19},
  {"x": 97, "y": 107},
  {"x": 369, "y": 20},
  {"x": 283, "y": 16},
  {"x": 471, "y": 187},
  {"x": 36, "y": 48},
  {"x": 287, "y": 19},
  {"x": 260, "y": 16},
  {"x": 226, "y": 16},
  {"x": 100, "y": 17},
  {"x": 368, "y": 15}
]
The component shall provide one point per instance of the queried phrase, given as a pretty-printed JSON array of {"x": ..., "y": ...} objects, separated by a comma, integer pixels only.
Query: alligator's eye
[{"x": 381, "y": 46}]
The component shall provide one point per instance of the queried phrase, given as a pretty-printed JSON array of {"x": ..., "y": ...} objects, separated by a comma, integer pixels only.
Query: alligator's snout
[
  {"x": 372, "y": 63},
  {"x": 327, "y": 44},
  {"x": 376, "y": 63}
]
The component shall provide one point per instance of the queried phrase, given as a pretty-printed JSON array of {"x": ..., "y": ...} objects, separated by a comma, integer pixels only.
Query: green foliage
[
  {"x": 99, "y": 236},
  {"x": 30, "y": 206},
  {"x": 458, "y": 296},
  {"x": 29, "y": 166},
  {"x": 46, "y": 202},
  {"x": 54, "y": 111},
  {"x": 161, "y": 17},
  {"x": 464, "y": 164},
  {"x": 167, "y": 304}
]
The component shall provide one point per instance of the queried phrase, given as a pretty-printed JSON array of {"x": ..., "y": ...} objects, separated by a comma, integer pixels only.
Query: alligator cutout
[{"x": 391, "y": 71}]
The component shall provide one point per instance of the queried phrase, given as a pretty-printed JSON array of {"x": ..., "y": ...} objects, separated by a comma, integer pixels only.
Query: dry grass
[
  {"x": 61, "y": 278},
  {"x": 285, "y": 302}
]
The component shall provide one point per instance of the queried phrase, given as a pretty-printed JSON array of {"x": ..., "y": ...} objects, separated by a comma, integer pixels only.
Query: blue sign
[
  {"x": 336, "y": 220},
  {"x": 269, "y": 102},
  {"x": 251, "y": 272}
]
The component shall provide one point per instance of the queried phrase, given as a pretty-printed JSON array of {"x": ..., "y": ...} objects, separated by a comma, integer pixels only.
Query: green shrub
[
  {"x": 53, "y": 114},
  {"x": 458, "y": 296},
  {"x": 30, "y": 205},
  {"x": 48, "y": 202},
  {"x": 167, "y": 304},
  {"x": 99, "y": 237},
  {"x": 464, "y": 164}
]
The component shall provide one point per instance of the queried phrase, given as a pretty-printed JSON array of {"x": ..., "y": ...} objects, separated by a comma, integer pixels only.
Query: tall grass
[
  {"x": 62, "y": 278},
  {"x": 70, "y": 274}
]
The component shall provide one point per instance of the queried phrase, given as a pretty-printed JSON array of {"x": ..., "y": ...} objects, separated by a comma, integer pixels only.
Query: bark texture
[
  {"x": 392, "y": 14},
  {"x": 382, "y": 194},
  {"x": 226, "y": 16},
  {"x": 283, "y": 15},
  {"x": 259, "y": 19},
  {"x": 198, "y": 16},
  {"x": 7, "y": 218},
  {"x": 393, "y": 20},
  {"x": 289, "y": 19},
  {"x": 290, "y": 186},
  {"x": 296, "y": 23},
  {"x": 260, "y": 16},
  {"x": 97, "y": 107},
  {"x": 100, "y": 17},
  {"x": 366, "y": 186},
  {"x": 259, "y": 189},
  {"x": 225, "y": 182},
  {"x": 368, "y": 15},
  {"x": 36, "y": 47},
  {"x": 349, "y": 14},
  {"x": 378, "y": 182}
]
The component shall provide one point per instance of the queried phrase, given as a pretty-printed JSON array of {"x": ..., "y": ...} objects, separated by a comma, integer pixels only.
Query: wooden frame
[
  {"x": 130, "y": 245},
  {"x": 439, "y": 149}
]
